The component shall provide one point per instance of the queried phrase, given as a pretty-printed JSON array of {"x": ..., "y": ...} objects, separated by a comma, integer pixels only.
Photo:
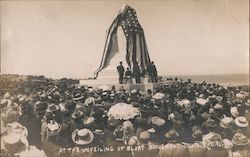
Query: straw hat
[
  {"x": 240, "y": 139},
  {"x": 52, "y": 108},
  {"x": 210, "y": 123},
  {"x": 88, "y": 121},
  {"x": 219, "y": 98},
  {"x": 234, "y": 111},
  {"x": 172, "y": 134},
  {"x": 53, "y": 128},
  {"x": 218, "y": 106},
  {"x": 99, "y": 132},
  {"x": 144, "y": 135},
  {"x": 133, "y": 141},
  {"x": 241, "y": 121},
  {"x": 196, "y": 132},
  {"x": 227, "y": 144},
  {"x": 14, "y": 142},
  {"x": 226, "y": 122},
  {"x": 156, "y": 120},
  {"x": 201, "y": 101},
  {"x": 127, "y": 125},
  {"x": 82, "y": 136},
  {"x": 77, "y": 114},
  {"x": 78, "y": 97},
  {"x": 17, "y": 128},
  {"x": 89, "y": 101}
]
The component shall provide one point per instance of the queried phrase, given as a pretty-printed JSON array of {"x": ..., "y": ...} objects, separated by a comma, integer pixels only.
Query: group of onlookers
[{"x": 182, "y": 119}]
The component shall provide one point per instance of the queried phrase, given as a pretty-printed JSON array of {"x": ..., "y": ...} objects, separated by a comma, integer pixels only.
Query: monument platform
[{"x": 95, "y": 83}]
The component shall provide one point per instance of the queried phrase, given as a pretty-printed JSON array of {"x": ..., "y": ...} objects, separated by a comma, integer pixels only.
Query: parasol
[{"x": 123, "y": 111}]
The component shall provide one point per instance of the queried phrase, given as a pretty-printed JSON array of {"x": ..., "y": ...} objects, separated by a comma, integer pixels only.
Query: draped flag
[{"x": 137, "y": 51}]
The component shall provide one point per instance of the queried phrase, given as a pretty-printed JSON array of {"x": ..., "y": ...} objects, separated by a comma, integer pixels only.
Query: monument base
[{"x": 95, "y": 83}]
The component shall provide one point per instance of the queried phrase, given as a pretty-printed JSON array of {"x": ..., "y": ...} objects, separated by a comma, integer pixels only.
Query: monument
[{"x": 125, "y": 42}]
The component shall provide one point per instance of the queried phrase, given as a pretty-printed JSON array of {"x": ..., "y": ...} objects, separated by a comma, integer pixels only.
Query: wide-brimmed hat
[
  {"x": 218, "y": 106},
  {"x": 158, "y": 96},
  {"x": 241, "y": 121},
  {"x": 99, "y": 131},
  {"x": 90, "y": 101},
  {"x": 158, "y": 121},
  {"x": 196, "y": 132},
  {"x": 133, "y": 141},
  {"x": 240, "y": 139},
  {"x": 226, "y": 122},
  {"x": 14, "y": 142},
  {"x": 82, "y": 136},
  {"x": 52, "y": 108},
  {"x": 201, "y": 101},
  {"x": 144, "y": 136},
  {"x": 127, "y": 125},
  {"x": 76, "y": 114},
  {"x": 172, "y": 134},
  {"x": 88, "y": 121},
  {"x": 53, "y": 128},
  {"x": 227, "y": 144},
  {"x": 15, "y": 127},
  {"x": 219, "y": 98},
  {"x": 210, "y": 124},
  {"x": 234, "y": 111},
  {"x": 78, "y": 97}
]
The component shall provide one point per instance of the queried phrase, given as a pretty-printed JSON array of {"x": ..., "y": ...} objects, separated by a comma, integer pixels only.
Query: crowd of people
[
  {"x": 126, "y": 77},
  {"x": 49, "y": 117}
]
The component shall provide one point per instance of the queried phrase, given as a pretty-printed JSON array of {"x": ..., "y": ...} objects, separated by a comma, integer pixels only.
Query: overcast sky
[{"x": 66, "y": 38}]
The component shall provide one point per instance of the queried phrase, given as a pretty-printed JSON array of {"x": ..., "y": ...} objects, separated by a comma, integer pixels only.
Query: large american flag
[{"x": 137, "y": 51}]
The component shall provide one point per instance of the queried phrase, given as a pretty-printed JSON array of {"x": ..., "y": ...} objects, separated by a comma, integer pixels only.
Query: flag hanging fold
[{"x": 137, "y": 51}]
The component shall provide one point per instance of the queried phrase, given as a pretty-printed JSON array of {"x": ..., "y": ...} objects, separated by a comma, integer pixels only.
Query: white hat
[
  {"x": 218, "y": 106},
  {"x": 53, "y": 128},
  {"x": 241, "y": 121},
  {"x": 17, "y": 128},
  {"x": 133, "y": 141},
  {"x": 234, "y": 111},
  {"x": 226, "y": 122},
  {"x": 12, "y": 140},
  {"x": 240, "y": 139},
  {"x": 201, "y": 101},
  {"x": 89, "y": 101},
  {"x": 82, "y": 137},
  {"x": 133, "y": 91},
  {"x": 227, "y": 144},
  {"x": 158, "y": 121}
]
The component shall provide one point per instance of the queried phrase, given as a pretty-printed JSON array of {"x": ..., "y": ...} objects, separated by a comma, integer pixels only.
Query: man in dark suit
[{"x": 120, "y": 70}]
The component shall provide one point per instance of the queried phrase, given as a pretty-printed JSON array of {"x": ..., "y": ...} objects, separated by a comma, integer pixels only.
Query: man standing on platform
[
  {"x": 154, "y": 72},
  {"x": 120, "y": 70},
  {"x": 128, "y": 76},
  {"x": 137, "y": 73}
]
